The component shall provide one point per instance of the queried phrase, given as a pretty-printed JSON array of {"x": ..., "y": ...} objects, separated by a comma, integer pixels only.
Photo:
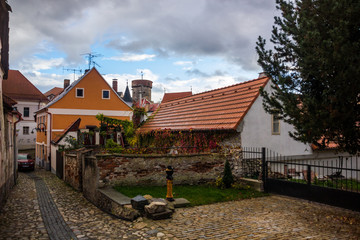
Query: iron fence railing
[{"x": 341, "y": 172}]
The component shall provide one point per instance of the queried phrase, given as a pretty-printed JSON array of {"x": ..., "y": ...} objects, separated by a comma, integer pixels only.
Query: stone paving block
[
  {"x": 139, "y": 202},
  {"x": 180, "y": 202},
  {"x": 273, "y": 217}
]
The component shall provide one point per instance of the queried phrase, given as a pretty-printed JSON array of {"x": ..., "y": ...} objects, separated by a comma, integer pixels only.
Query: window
[
  {"x": 105, "y": 94},
  {"x": 26, "y": 112},
  {"x": 25, "y": 130},
  {"x": 275, "y": 125},
  {"x": 79, "y": 92}
]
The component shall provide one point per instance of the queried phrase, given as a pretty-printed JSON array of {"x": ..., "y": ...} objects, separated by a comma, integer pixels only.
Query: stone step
[
  {"x": 115, "y": 196},
  {"x": 180, "y": 202}
]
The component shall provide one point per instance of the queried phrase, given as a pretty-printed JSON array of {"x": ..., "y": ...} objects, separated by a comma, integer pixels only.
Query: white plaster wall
[
  {"x": 26, "y": 141},
  {"x": 256, "y": 132},
  {"x": 54, "y": 148}
]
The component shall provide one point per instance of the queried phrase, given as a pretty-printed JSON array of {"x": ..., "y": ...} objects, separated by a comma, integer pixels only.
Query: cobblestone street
[{"x": 25, "y": 216}]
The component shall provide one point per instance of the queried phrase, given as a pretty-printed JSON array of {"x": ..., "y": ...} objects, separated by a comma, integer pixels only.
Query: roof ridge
[{"x": 217, "y": 89}]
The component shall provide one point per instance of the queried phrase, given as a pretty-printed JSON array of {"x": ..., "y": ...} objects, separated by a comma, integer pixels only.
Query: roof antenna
[
  {"x": 142, "y": 75},
  {"x": 164, "y": 90},
  {"x": 191, "y": 88},
  {"x": 90, "y": 57},
  {"x": 72, "y": 70}
]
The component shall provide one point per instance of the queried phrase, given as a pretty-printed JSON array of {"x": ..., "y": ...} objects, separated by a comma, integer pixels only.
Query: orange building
[{"x": 84, "y": 99}]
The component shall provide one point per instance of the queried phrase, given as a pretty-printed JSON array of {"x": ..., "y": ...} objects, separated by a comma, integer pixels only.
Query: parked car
[{"x": 25, "y": 162}]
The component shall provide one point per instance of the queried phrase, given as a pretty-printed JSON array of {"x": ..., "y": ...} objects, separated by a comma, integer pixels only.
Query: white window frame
[
  {"x": 76, "y": 93},
  {"x": 27, "y": 132},
  {"x": 275, "y": 121},
  {"x": 102, "y": 93}
]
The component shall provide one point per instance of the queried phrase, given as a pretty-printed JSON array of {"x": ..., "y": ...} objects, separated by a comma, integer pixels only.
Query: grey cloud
[
  {"x": 198, "y": 73},
  {"x": 226, "y": 29},
  {"x": 169, "y": 79}
]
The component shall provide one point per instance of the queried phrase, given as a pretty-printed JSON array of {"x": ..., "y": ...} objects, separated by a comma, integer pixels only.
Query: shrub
[
  {"x": 111, "y": 144},
  {"x": 228, "y": 178}
]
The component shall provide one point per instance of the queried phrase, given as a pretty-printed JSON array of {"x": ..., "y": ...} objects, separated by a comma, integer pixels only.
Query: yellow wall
[
  {"x": 93, "y": 84},
  {"x": 64, "y": 121}
]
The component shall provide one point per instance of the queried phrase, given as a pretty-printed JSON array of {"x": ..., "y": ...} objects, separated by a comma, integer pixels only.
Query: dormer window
[
  {"x": 105, "y": 94},
  {"x": 79, "y": 92}
]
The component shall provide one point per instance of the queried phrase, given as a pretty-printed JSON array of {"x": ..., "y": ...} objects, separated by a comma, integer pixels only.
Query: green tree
[
  {"x": 315, "y": 69},
  {"x": 228, "y": 178}
]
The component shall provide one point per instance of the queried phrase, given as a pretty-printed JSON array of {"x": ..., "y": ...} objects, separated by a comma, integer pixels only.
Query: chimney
[
  {"x": 66, "y": 83},
  {"x": 262, "y": 74},
  {"x": 115, "y": 84}
]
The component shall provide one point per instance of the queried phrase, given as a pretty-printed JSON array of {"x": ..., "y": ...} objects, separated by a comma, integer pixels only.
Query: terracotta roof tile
[
  {"x": 219, "y": 109},
  {"x": 171, "y": 96},
  {"x": 74, "y": 126},
  {"x": 19, "y": 87},
  {"x": 54, "y": 91}
]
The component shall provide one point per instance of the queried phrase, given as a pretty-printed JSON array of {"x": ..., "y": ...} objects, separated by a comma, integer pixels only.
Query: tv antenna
[
  {"x": 74, "y": 70},
  {"x": 90, "y": 57}
]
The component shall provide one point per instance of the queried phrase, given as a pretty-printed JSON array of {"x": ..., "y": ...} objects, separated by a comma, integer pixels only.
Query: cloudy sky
[{"x": 184, "y": 45}]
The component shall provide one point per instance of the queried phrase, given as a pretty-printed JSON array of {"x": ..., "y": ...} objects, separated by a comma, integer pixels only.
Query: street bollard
[{"x": 169, "y": 183}]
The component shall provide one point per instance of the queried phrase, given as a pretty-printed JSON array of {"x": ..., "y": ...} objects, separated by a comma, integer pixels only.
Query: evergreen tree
[
  {"x": 315, "y": 70},
  {"x": 228, "y": 178}
]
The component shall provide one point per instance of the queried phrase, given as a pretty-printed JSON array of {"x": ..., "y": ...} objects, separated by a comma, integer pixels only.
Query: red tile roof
[
  {"x": 74, "y": 126},
  {"x": 54, "y": 91},
  {"x": 219, "y": 109},
  {"x": 19, "y": 88},
  {"x": 171, "y": 96},
  {"x": 328, "y": 146}
]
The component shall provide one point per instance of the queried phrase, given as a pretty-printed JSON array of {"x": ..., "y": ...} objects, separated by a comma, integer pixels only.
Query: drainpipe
[
  {"x": 15, "y": 145},
  {"x": 50, "y": 135}
]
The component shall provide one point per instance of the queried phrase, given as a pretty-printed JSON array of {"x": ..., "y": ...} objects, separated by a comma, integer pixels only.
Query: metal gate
[
  {"x": 59, "y": 165},
  {"x": 331, "y": 180}
]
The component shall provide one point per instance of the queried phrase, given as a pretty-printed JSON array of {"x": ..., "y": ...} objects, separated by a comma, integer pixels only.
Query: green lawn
[{"x": 197, "y": 195}]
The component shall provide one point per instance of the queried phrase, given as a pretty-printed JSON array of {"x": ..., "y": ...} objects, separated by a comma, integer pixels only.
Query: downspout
[
  {"x": 15, "y": 146},
  {"x": 50, "y": 135}
]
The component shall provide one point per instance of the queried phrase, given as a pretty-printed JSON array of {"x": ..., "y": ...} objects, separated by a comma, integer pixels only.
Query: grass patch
[{"x": 197, "y": 195}]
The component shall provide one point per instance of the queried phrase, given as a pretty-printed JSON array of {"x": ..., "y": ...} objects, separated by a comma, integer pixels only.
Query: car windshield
[{"x": 22, "y": 157}]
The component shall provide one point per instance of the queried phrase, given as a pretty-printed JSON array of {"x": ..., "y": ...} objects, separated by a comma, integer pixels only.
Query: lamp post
[
  {"x": 169, "y": 183},
  {"x": 39, "y": 129}
]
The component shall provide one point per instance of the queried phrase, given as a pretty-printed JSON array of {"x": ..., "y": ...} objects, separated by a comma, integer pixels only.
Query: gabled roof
[
  {"x": 171, "y": 96},
  {"x": 71, "y": 128},
  {"x": 20, "y": 88},
  {"x": 69, "y": 88},
  {"x": 219, "y": 109},
  {"x": 54, "y": 91}
]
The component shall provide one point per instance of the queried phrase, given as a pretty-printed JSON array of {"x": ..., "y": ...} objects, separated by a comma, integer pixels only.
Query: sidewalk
[{"x": 273, "y": 217}]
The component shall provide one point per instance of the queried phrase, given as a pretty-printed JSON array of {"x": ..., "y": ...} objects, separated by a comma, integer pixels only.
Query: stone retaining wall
[
  {"x": 150, "y": 170},
  {"x": 72, "y": 171}
]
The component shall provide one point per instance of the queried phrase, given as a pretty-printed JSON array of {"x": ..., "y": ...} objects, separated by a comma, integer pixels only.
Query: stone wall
[
  {"x": 232, "y": 149},
  {"x": 73, "y": 171},
  {"x": 150, "y": 169}
]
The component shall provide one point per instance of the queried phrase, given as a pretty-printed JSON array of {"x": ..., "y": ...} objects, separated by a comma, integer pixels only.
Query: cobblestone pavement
[
  {"x": 54, "y": 222},
  {"x": 273, "y": 217}
]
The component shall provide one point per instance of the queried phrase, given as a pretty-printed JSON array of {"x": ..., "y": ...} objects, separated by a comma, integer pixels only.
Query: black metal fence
[
  {"x": 251, "y": 163},
  {"x": 340, "y": 172},
  {"x": 334, "y": 180}
]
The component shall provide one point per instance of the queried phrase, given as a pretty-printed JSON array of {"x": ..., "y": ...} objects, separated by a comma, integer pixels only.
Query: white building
[{"x": 29, "y": 100}]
